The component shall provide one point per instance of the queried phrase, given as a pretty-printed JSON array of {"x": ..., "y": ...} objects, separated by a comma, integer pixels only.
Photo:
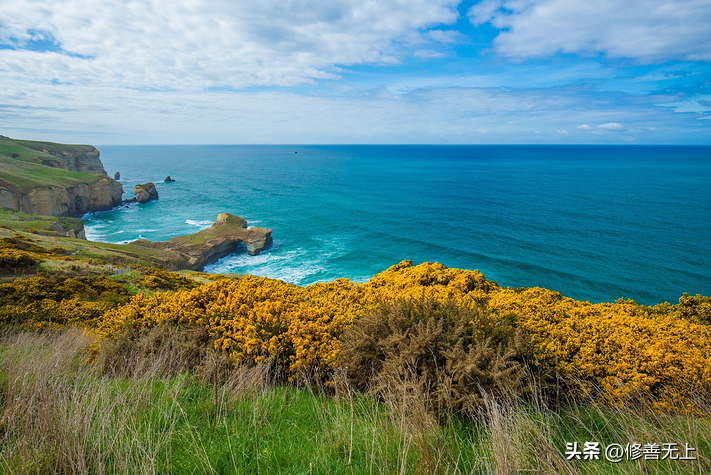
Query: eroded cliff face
[
  {"x": 85, "y": 162},
  {"x": 63, "y": 201}
]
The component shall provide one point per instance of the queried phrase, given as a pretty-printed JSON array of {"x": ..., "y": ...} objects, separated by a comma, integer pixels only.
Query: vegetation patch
[
  {"x": 20, "y": 221},
  {"x": 620, "y": 352}
]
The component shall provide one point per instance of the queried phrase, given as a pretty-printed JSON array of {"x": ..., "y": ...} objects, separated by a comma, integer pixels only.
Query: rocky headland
[
  {"x": 195, "y": 251},
  {"x": 51, "y": 179}
]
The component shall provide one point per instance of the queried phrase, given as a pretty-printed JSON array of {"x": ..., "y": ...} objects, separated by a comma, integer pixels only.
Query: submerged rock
[
  {"x": 221, "y": 239},
  {"x": 145, "y": 192}
]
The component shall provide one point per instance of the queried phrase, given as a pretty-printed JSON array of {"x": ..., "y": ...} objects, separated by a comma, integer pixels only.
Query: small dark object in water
[{"x": 168, "y": 179}]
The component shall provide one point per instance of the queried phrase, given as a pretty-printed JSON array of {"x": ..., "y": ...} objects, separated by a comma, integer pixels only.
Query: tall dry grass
[
  {"x": 154, "y": 405},
  {"x": 62, "y": 414}
]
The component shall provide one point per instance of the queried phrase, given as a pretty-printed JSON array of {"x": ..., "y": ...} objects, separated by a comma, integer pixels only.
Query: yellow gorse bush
[
  {"x": 254, "y": 318},
  {"x": 626, "y": 350},
  {"x": 40, "y": 302}
]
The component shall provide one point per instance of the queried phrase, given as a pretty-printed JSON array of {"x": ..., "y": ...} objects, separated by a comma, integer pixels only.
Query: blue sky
[{"x": 355, "y": 71}]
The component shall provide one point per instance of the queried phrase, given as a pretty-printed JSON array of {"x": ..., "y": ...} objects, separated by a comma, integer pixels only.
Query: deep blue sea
[{"x": 593, "y": 222}]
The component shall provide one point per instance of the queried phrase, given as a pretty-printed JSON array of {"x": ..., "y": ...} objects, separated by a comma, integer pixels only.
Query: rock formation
[
  {"x": 117, "y": 176},
  {"x": 57, "y": 228},
  {"x": 168, "y": 179},
  {"x": 145, "y": 192},
  {"x": 197, "y": 250}
]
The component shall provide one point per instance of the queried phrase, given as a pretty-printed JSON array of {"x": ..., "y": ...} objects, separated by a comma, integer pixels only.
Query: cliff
[
  {"x": 197, "y": 250},
  {"x": 54, "y": 179}
]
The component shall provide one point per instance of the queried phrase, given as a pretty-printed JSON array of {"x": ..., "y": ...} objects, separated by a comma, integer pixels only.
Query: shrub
[
  {"x": 695, "y": 308},
  {"x": 453, "y": 352},
  {"x": 622, "y": 353},
  {"x": 11, "y": 259},
  {"x": 253, "y": 319},
  {"x": 164, "y": 350},
  {"x": 41, "y": 302},
  {"x": 161, "y": 280}
]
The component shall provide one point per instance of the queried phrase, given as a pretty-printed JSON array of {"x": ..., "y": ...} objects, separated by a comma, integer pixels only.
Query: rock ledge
[{"x": 195, "y": 251}]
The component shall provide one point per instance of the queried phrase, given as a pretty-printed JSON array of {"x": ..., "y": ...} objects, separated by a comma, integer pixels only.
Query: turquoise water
[{"x": 595, "y": 223}]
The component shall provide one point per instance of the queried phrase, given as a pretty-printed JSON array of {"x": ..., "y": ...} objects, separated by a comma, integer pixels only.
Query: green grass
[
  {"x": 12, "y": 149},
  {"x": 53, "y": 147},
  {"x": 59, "y": 414},
  {"x": 24, "y": 221},
  {"x": 26, "y": 165},
  {"x": 26, "y": 175}
]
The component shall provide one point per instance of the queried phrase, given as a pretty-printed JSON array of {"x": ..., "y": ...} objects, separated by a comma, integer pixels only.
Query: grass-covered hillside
[
  {"x": 32, "y": 245},
  {"x": 16, "y": 220},
  {"x": 26, "y": 164}
]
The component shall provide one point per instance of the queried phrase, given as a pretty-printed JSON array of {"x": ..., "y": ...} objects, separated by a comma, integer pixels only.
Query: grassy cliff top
[
  {"x": 26, "y": 164},
  {"x": 31, "y": 150},
  {"x": 55, "y": 148}
]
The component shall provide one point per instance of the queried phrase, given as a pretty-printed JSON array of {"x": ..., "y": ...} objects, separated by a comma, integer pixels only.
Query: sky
[{"x": 356, "y": 71}]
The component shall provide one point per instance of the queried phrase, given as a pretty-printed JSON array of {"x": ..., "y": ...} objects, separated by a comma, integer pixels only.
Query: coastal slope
[
  {"x": 52, "y": 239},
  {"x": 54, "y": 179}
]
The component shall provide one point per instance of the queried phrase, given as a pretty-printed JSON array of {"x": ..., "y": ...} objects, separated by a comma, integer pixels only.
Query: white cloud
[
  {"x": 104, "y": 115},
  {"x": 484, "y": 11},
  {"x": 445, "y": 36},
  {"x": 614, "y": 126},
  {"x": 645, "y": 30},
  {"x": 428, "y": 54},
  {"x": 194, "y": 44},
  {"x": 609, "y": 126}
]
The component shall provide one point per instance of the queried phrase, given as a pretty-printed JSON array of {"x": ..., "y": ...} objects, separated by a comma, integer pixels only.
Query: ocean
[{"x": 593, "y": 222}]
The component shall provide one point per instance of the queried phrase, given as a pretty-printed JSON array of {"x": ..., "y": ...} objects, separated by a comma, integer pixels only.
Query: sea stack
[
  {"x": 117, "y": 176},
  {"x": 145, "y": 192},
  {"x": 168, "y": 179}
]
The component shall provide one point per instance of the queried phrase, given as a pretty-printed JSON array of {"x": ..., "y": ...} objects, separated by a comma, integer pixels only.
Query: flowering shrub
[
  {"x": 161, "y": 280},
  {"x": 624, "y": 349},
  {"x": 11, "y": 259},
  {"x": 41, "y": 302},
  {"x": 253, "y": 318}
]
